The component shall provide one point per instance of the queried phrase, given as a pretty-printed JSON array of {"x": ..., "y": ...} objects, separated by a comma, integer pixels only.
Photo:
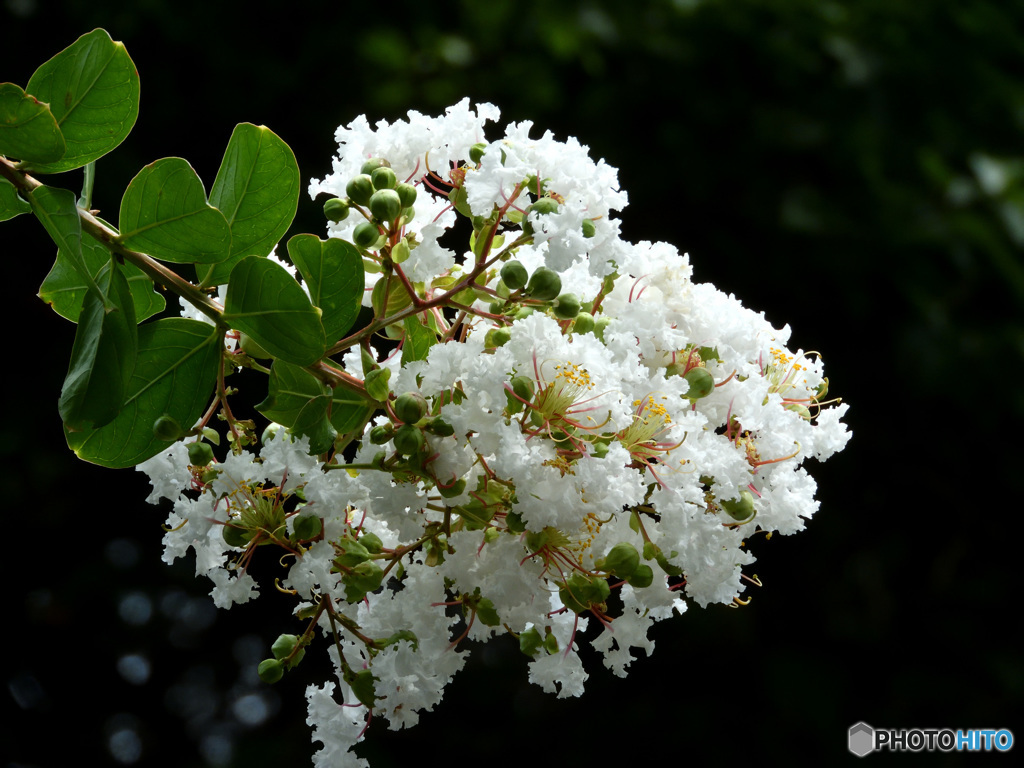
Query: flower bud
[
  {"x": 167, "y": 428},
  {"x": 409, "y": 440},
  {"x": 543, "y": 206},
  {"x": 373, "y": 164},
  {"x": 270, "y": 670},
  {"x": 407, "y": 194},
  {"x": 359, "y": 189},
  {"x": 514, "y": 275},
  {"x": 451, "y": 491},
  {"x": 476, "y": 153},
  {"x": 382, "y": 433},
  {"x": 400, "y": 251},
  {"x": 385, "y": 205},
  {"x": 621, "y": 561},
  {"x": 544, "y": 285},
  {"x": 566, "y": 306},
  {"x": 284, "y": 645},
  {"x": 372, "y": 542},
  {"x": 410, "y": 407},
  {"x": 642, "y": 577},
  {"x": 376, "y": 383},
  {"x": 336, "y": 209},
  {"x": 584, "y": 323},
  {"x": 350, "y": 553},
  {"x": 701, "y": 382},
  {"x": 589, "y": 230},
  {"x": 440, "y": 427},
  {"x": 365, "y": 235},
  {"x": 497, "y": 337},
  {"x": 200, "y": 454},
  {"x": 383, "y": 178},
  {"x": 740, "y": 509}
]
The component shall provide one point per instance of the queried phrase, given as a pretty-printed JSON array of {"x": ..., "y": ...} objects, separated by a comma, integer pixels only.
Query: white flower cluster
[{"x": 597, "y": 461}]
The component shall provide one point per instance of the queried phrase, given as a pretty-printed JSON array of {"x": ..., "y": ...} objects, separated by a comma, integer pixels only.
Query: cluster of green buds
[
  {"x": 386, "y": 202},
  {"x": 288, "y": 651}
]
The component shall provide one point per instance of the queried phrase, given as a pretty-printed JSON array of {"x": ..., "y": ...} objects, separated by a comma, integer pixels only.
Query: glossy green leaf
[
  {"x": 92, "y": 88},
  {"x": 56, "y": 210},
  {"x": 257, "y": 190},
  {"x": 418, "y": 340},
  {"x": 175, "y": 374},
  {"x": 290, "y": 389},
  {"x": 164, "y": 213},
  {"x": 10, "y": 204},
  {"x": 103, "y": 355},
  {"x": 63, "y": 288},
  {"x": 28, "y": 129},
  {"x": 265, "y": 302},
  {"x": 313, "y": 422},
  {"x": 333, "y": 272}
]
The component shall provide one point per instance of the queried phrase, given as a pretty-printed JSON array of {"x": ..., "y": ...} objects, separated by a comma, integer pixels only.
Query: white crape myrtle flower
[{"x": 559, "y": 427}]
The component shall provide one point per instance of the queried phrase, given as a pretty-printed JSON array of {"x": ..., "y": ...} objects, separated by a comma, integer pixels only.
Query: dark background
[{"x": 853, "y": 169}]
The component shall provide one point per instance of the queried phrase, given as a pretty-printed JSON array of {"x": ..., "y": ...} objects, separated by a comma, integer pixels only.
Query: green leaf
[
  {"x": 10, "y": 204},
  {"x": 103, "y": 355},
  {"x": 28, "y": 129},
  {"x": 175, "y": 373},
  {"x": 257, "y": 190},
  {"x": 290, "y": 388},
  {"x": 164, "y": 213},
  {"x": 63, "y": 288},
  {"x": 313, "y": 422},
  {"x": 418, "y": 341},
  {"x": 92, "y": 88},
  {"x": 333, "y": 272},
  {"x": 265, "y": 302},
  {"x": 56, "y": 210}
]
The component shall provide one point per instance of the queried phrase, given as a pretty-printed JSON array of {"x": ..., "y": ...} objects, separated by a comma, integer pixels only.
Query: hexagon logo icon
[{"x": 862, "y": 739}]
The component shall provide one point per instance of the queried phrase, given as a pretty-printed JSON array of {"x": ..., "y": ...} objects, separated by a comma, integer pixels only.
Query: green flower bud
[
  {"x": 621, "y": 560},
  {"x": 407, "y": 194},
  {"x": 589, "y": 230},
  {"x": 497, "y": 337},
  {"x": 385, "y": 205},
  {"x": 740, "y": 509},
  {"x": 377, "y": 383},
  {"x": 200, "y": 454},
  {"x": 440, "y": 427},
  {"x": 350, "y": 553},
  {"x": 270, "y": 670},
  {"x": 544, "y": 285},
  {"x": 383, "y": 178},
  {"x": 361, "y": 580},
  {"x": 307, "y": 527},
  {"x": 543, "y": 206},
  {"x": 514, "y": 275},
  {"x": 400, "y": 252},
  {"x": 284, "y": 645},
  {"x": 249, "y": 345},
  {"x": 584, "y": 323},
  {"x": 642, "y": 577},
  {"x": 373, "y": 164},
  {"x": 410, "y": 407},
  {"x": 336, "y": 209},
  {"x": 566, "y": 306},
  {"x": 409, "y": 440},
  {"x": 381, "y": 434},
  {"x": 359, "y": 189},
  {"x": 600, "y": 450},
  {"x": 701, "y": 382},
  {"x": 365, "y": 235},
  {"x": 167, "y": 428},
  {"x": 476, "y": 153}
]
